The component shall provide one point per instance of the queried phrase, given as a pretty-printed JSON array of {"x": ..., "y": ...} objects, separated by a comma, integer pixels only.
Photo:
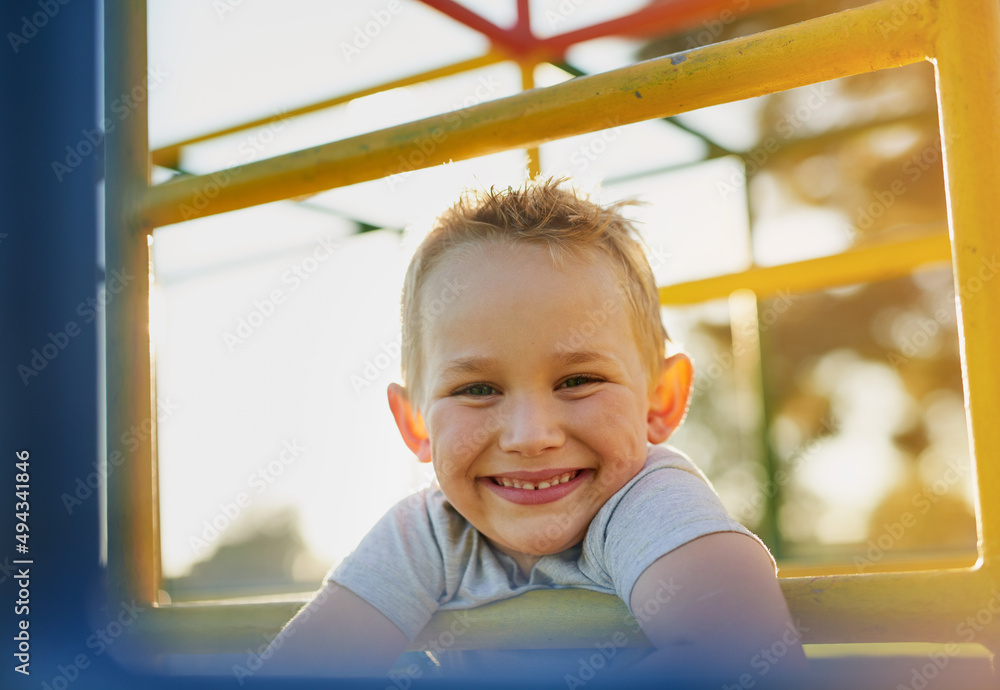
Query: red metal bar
[
  {"x": 504, "y": 38},
  {"x": 522, "y": 29},
  {"x": 659, "y": 18}
]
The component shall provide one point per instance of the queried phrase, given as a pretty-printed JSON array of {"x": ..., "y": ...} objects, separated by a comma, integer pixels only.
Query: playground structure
[{"x": 961, "y": 38}]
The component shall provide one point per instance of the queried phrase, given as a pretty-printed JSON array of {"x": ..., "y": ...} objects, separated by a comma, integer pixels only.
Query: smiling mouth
[{"x": 532, "y": 486}]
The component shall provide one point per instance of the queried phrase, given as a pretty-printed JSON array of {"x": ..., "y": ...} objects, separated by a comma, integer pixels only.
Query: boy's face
[{"x": 533, "y": 377}]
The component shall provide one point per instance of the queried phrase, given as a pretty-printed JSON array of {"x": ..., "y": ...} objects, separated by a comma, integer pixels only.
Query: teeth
[{"x": 529, "y": 486}]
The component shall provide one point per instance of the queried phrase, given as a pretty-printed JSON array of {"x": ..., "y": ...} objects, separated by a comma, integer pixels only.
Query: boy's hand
[
  {"x": 713, "y": 606},
  {"x": 336, "y": 634}
]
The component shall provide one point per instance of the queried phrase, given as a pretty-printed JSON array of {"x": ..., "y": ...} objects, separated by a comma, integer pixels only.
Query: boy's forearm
[
  {"x": 723, "y": 614},
  {"x": 336, "y": 634}
]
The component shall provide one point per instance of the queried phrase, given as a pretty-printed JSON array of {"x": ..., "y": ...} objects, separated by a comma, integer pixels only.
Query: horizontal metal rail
[
  {"x": 169, "y": 156},
  {"x": 867, "y": 265},
  {"x": 923, "y": 606},
  {"x": 820, "y": 49},
  {"x": 518, "y": 40}
]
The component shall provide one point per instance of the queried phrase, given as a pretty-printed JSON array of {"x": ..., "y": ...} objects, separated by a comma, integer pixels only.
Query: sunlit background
[{"x": 277, "y": 328}]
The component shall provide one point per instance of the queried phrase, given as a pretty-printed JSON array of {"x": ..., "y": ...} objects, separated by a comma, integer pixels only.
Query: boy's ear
[
  {"x": 669, "y": 400},
  {"x": 410, "y": 423}
]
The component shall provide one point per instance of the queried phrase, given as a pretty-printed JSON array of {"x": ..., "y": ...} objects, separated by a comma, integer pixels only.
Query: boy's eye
[
  {"x": 477, "y": 390},
  {"x": 575, "y": 381}
]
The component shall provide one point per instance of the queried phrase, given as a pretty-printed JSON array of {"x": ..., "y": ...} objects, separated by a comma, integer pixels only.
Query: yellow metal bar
[
  {"x": 886, "y": 607},
  {"x": 527, "y": 84},
  {"x": 876, "y": 607},
  {"x": 881, "y": 607},
  {"x": 169, "y": 156},
  {"x": 829, "y": 47},
  {"x": 212, "y": 628},
  {"x": 967, "y": 58},
  {"x": 133, "y": 538},
  {"x": 870, "y": 264},
  {"x": 542, "y": 619},
  {"x": 901, "y": 564}
]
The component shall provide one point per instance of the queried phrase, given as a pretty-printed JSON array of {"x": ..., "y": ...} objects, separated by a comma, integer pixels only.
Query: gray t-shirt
[{"x": 423, "y": 555}]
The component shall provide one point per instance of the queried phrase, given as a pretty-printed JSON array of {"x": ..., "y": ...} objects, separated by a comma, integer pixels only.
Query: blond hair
[{"x": 539, "y": 214}]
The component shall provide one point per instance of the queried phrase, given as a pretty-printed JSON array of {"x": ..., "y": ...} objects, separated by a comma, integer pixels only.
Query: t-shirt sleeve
[
  {"x": 396, "y": 567},
  {"x": 663, "y": 510}
]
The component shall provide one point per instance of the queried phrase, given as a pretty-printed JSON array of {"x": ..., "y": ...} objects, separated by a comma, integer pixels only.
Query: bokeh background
[{"x": 831, "y": 423}]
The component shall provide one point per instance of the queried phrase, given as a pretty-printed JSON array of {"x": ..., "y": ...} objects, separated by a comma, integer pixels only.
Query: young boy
[{"x": 535, "y": 381}]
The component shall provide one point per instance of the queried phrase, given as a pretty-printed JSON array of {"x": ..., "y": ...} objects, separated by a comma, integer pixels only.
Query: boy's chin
[
  {"x": 538, "y": 547},
  {"x": 544, "y": 546}
]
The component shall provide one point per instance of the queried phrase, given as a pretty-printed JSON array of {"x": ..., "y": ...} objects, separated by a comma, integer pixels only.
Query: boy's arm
[
  {"x": 336, "y": 634},
  {"x": 714, "y": 606}
]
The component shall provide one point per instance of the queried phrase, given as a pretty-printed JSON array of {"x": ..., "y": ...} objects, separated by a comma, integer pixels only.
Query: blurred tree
[
  {"x": 869, "y": 153},
  {"x": 268, "y": 556}
]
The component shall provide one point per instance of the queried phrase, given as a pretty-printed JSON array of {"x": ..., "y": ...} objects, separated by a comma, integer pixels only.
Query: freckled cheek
[
  {"x": 616, "y": 428},
  {"x": 611, "y": 415},
  {"x": 457, "y": 436}
]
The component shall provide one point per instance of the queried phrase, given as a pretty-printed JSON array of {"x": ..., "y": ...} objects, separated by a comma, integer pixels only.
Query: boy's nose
[{"x": 530, "y": 427}]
